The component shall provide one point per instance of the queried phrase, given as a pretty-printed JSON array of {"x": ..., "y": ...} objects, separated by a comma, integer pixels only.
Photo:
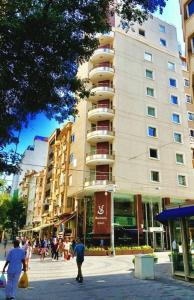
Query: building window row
[
  {"x": 155, "y": 176},
  {"x": 154, "y": 154},
  {"x": 152, "y": 131}
]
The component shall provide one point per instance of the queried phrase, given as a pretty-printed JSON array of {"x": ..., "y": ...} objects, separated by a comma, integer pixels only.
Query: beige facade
[
  {"x": 39, "y": 197},
  {"x": 27, "y": 192},
  {"x": 187, "y": 10},
  {"x": 132, "y": 134},
  {"x": 136, "y": 89}
]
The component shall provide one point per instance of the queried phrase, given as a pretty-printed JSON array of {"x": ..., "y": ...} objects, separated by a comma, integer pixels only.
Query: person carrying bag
[
  {"x": 2, "y": 281},
  {"x": 23, "y": 282},
  {"x": 15, "y": 259}
]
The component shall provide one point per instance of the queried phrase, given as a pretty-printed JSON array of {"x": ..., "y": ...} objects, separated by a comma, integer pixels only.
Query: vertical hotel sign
[{"x": 102, "y": 211}]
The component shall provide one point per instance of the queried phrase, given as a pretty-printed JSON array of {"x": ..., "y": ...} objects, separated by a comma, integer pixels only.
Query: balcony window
[
  {"x": 172, "y": 82},
  {"x": 173, "y": 99},
  {"x": 149, "y": 74},
  {"x": 148, "y": 56},
  {"x": 177, "y": 137},
  {"x": 153, "y": 153},
  {"x": 162, "y": 28},
  {"x": 179, "y": 158},
  {"x": 155, "y": 176},
  {"x": 182, "y": 180},
  {"x": 176, "y": 118},
  {"x": 186, "y": 82},
  {"x": 190, "y": 116},
  {"x": 152, "y": 131},
  {"x": 171, "y": 66},
  {"x": 163, "y": 42},
  {"x": 150, "y": 92},
  {"x": 151, "y": 111},
  {"x": 190, "y": 8}
]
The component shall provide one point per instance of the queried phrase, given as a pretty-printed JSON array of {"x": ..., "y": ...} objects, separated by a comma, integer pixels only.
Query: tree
[
  {"x": 16, "y": 215},
  {"x": 42, "y": 43}
]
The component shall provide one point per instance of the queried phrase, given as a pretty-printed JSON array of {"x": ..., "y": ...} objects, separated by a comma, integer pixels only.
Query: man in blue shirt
[
  {"x": 79, "y": 252},
  {"x": 15, "y": 260}
]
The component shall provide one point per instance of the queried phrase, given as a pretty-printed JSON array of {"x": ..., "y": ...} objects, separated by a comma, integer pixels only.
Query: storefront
[{"x": 180, "y": 221}]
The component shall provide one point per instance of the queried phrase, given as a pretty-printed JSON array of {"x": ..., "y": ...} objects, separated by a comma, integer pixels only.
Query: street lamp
[{"x": 112, "y": 189}]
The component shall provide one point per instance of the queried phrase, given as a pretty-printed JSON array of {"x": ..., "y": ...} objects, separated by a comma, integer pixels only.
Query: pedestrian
[
  {"x": 5, "y": 245},
  {"x": 28, "y": 254},
  {"x": 42, "y": 249},
  {"x": 15, "y": 259},
  {"x": 66, "y": 246},
  {"x": 55, "y": 250},
  {"x": 79, "y": 253}
]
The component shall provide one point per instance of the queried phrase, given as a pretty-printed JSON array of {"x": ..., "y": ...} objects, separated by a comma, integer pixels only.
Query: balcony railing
[
  {"x": 100, "y": 105},
  {"x": 99, "y": 176},
  {"x": 99, "y": 127},
  {"x": 100, "y": 151}
]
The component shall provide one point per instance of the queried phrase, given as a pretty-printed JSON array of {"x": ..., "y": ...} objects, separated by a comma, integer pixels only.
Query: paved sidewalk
[{"x": 104, "y": 278}]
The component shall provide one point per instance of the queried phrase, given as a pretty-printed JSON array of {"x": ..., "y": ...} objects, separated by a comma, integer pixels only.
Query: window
[
  {"x": 177, "y": 137},
  {"x": 172, "y": 82},
  {"x": 162, "y": 28},
  {"x": 191, "y": 132},
  {"x": 188, "y": 98},
  {"x": 155, "y": 176},
  {"x": 150, "y": 92},
  {"x": 71, "y": 158},
  {"x": 163, "y": 42},
  {"x": 190, "y": 8},
  {"x": 186, "y": 82},
  {"x": 151, "y": 111},
  {"x": 171, "y": 66},
  {"x": 174, "y": 99},
  {"x": 190, "y": 116},
  {"x": 182, "y": 180},
  {"x": 153, "y": 153},
  {"x": 179, "y": 158},
  {"x": 148, "y": 56},
  {"x": 72, "y": 138},
  {"x": 149, "y": 74},
  {"x": 142, "y": 32},
  {"x": 176, "y": 118},
  {"x": 192, "y": 45},
  {"x": 152, "y": 131}
]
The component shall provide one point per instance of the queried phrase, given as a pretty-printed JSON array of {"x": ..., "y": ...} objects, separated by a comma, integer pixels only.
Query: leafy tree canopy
[{"x": 42, "y": 42}]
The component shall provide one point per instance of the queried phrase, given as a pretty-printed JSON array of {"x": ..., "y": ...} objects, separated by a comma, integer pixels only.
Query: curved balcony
[
  {"x": 106, "y": 37},
  {"x": 100, "y": 134},
  {"x": 100, "y": 157},
  {"x": 101, "y": 92},
  {"x": 96, "y": 182},
  {"x": 100, "y": 112},
  {"x": 102, "y": 54},
  {"x": 101, "y": 73}
]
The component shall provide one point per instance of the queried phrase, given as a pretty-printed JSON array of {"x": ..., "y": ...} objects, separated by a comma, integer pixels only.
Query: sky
[{"x": 44, "y": 127}]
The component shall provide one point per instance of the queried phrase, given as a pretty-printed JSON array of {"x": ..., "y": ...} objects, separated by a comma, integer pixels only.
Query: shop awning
[
  {"x": 65, "y": 219},
  {"x": 37, "y": 229},
  {"x": 174, "y": 213}
]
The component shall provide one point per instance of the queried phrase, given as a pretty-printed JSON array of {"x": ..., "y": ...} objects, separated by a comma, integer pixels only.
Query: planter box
[
  {"x": 117, "y": 252},
  {"x": 97, "y": 253}
]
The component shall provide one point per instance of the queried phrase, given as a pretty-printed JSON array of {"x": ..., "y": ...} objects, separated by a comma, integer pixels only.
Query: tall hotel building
[{"x": 131, "y": 139}]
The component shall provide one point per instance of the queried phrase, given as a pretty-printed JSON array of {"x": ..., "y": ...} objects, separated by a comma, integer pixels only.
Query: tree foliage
[{"x": 42, "y": 42}]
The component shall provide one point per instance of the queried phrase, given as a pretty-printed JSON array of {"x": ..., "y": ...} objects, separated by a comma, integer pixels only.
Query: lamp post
[{"x": 111, "y": 189}]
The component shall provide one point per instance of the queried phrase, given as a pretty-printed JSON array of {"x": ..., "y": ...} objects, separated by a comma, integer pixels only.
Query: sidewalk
[{"x": 104, "y": 278}]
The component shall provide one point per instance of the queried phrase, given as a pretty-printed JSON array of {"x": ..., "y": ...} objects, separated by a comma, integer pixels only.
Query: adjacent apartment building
[
  {"x": 34, "y": 158},
  {"x": 132, "y": 135}
]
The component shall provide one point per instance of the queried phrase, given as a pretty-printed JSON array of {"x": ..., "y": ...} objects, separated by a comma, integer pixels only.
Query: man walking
[
  {"x": 79, "y": 252},
  {"x": 14, "y": 261}
]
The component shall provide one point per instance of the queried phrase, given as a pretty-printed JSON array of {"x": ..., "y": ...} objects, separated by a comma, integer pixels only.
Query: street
[{"x": 104, "y": 278}]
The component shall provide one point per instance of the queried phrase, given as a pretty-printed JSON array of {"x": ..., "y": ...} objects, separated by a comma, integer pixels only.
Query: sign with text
[{"x": 102, "y": 211}]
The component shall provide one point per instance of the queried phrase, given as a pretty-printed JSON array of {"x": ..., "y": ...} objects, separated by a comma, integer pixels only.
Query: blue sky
[{"x": 44, "y": 127}]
